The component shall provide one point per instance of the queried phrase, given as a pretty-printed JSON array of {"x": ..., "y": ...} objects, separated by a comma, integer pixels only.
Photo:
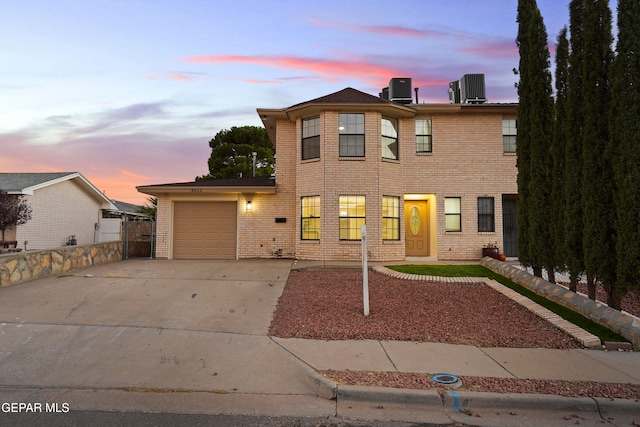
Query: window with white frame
[
  {"x": 486, "y": 214},
  {"x": 389, "y": 130},
  {"x": 390, "y": 218},
  {"x": 423, "y": 136},
  {"x": 352, "y": 217},
  {"x": 310, "y": 218},
  {"x": 452, "y": 214},
  {"x": 311, "y": 138},
  {"x": 509, "y": 133},
  {"x": 351, "y": 133}
]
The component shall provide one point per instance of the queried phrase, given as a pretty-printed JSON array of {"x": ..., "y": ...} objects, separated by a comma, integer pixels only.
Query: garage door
[{"x": 204, "y": 230}]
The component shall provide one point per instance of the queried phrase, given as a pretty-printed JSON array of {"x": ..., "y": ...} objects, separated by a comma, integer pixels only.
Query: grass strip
[{"x": 475, "y": 270}]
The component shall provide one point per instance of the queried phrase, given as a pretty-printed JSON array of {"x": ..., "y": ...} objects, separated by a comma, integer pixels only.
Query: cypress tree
[
  {"x": 525, "y": 9},
  {"x": 572, "y": 206},
  {"x": 558, "y": 148},
  {"x": 597, "y": 183},
  {"x": 535, "y": 121},
  {"x": 624, "y": 148}
]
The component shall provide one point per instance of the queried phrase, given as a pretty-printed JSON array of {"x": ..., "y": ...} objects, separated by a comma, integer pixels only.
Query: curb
[{"x": 390, "y": 395}]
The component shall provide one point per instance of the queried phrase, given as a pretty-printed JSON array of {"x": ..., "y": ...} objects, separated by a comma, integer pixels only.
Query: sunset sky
[{"x": 129, "y": 92}]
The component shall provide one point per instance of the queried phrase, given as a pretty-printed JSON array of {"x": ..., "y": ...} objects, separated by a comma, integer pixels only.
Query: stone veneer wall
[
  {"x": 20, "y": 267},
  {"x": 620, "y": 322}
]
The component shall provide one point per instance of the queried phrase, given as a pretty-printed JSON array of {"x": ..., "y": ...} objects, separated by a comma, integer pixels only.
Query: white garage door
[{"x": 204, "y": 230}]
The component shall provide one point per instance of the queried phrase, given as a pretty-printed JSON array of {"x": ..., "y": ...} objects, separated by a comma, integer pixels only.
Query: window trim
[
  {"x": 314, "y": 138},
  {"x": 395, "y": 219},
  {"x": 317, "y": 205},
  {"x": 487, "y": 218},
  {"x": 344, "y": 135},
  {"x": 359, "y": 219},
  {"x": 457, "y": 214},
  {"x": 429, "y": 136}
]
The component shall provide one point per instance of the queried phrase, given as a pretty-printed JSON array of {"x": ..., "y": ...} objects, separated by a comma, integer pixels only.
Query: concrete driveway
[{"x": 150, "y": 324}]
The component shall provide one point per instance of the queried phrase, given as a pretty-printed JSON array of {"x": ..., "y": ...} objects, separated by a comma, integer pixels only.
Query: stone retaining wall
[
  {"x": 622, "y": 323},
  {"x": 23, "y": 266}
]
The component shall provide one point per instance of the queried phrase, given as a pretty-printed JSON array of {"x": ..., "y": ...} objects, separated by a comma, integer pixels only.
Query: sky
[{"x": 130, "y": 92}]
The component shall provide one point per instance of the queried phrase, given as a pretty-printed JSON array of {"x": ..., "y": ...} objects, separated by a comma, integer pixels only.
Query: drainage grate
[{"x": 444, "y": 378}]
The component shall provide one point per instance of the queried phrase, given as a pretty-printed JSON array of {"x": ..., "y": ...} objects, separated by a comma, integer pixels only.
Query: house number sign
[{"x": 196, "y": 190}]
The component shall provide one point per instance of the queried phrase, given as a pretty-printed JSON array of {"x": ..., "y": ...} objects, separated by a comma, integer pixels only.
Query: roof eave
[{"x": 158, "y": 190}]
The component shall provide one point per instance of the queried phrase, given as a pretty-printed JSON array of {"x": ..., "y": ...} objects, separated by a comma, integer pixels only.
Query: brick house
[{"x": 428, "y": 180}]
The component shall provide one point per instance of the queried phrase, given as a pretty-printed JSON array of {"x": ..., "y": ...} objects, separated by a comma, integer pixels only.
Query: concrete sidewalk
[{"x": 191, "y": 336}]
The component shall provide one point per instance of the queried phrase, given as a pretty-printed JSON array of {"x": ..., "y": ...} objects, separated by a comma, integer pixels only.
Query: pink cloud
[
  {"x": 182, "y": 77},
  {"x": 330, "y": 69},
  {"x": 498, "y": 49},
  {"x": 378, "y": 29}
]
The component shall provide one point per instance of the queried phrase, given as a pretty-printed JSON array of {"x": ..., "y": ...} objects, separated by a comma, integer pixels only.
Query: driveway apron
[{"x": 157, "y": 324}]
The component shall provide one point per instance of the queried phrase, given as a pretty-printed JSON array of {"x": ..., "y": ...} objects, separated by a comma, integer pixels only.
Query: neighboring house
[
  {"x": 63, "y": 204},
  {"x": 428, "y": 180}
]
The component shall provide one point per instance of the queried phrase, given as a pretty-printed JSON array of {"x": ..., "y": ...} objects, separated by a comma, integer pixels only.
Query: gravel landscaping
[{"x": 327, "y": 305}]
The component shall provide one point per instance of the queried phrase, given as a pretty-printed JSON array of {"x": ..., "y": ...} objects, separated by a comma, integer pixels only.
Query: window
[
  {"x": 390, "y": 218},
  {"x": 389, "y": 138},
  {"x": 423, "y": 136},
  {"x": 452, "y": 216},
  {"x": 310, "y": 224},
  {"x": 486, "y": 217},
  {"x": 311, "y": 138},
  {"x": 352, "y": 217},
  {"x": 351, "y": 131},
  {"x": 509, "y": 132}
]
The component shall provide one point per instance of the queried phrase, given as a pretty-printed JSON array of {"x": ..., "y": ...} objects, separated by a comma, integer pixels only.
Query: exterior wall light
[{"x": 249, "y": 206}]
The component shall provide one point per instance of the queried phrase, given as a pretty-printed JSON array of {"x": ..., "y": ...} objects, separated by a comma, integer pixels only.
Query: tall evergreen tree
[
  {"x": 597, "y": 172},
  {"x": 624, "y": 147},
  {"x": 535, "y": 122},
  {"x": 525, "y": 9},
  {"x": 572, "y": 206},
  {"x": 558, "y": 148}
]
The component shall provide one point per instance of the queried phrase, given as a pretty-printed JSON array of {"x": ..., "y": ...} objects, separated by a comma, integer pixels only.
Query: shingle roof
[
  {"x": 347, "y": 96},
  {"x": 20, "y": 181}
]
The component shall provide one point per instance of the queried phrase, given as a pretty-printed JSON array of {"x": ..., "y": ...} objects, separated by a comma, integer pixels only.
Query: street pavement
[{"x": 170, "y": 336}]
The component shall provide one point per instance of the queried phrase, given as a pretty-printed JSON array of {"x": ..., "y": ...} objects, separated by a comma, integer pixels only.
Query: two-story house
[{"x": 428, "y": 180}]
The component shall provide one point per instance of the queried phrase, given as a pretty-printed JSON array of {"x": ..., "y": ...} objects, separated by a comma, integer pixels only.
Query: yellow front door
[{"x": 416, "y": 220}]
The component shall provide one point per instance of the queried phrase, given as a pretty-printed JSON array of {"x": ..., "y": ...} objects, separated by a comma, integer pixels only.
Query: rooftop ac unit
[
  {"x": 454, "y": 92},
  {"x": 472, "y": 89},
  {"x": 400, "y": 90}
]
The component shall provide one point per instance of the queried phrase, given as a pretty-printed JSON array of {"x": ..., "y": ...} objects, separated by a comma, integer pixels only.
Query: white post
[{"x": 365, "y": 272}]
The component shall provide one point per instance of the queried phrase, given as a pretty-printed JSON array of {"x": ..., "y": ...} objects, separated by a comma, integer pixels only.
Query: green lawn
[{"x": 475, "y": 270}]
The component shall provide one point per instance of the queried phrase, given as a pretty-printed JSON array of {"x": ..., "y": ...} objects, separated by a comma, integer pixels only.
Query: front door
[
  {"x": 416, "y": 220},
  {"x": 510, "y": 225}
]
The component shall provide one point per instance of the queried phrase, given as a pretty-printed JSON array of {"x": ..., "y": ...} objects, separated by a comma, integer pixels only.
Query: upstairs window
[
  {"x": 509, "y": 132},
  {"x": 311, "y": 138},
  {"x": 390, "y": 218},
  {"x": 351, "y": 130},
  {"x": 352, "y": 217},
  {"x": 310, "y": 221},
  {"x": 452, "y": 214},
  {"x": 486, "y": 215},
  {"x": 389, "y": 138},
  {"x": 423, "y": 136}
]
